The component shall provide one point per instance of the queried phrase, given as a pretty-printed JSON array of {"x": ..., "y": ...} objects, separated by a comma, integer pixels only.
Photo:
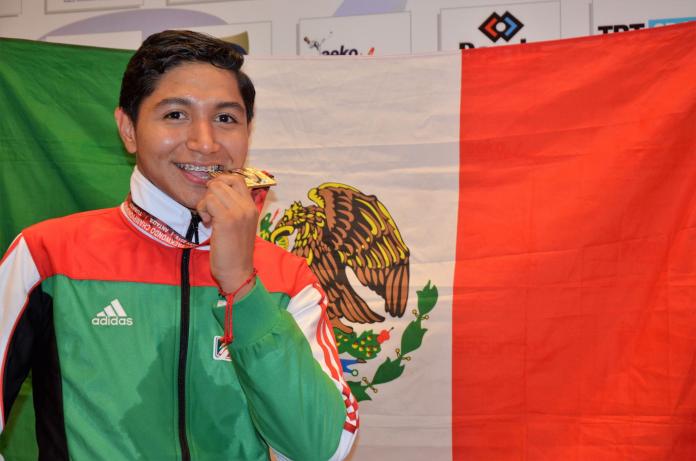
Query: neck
[{"x": 151, "y": 199}]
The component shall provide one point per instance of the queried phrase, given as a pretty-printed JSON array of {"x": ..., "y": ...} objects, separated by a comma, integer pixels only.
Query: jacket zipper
[{"x": 191, "y": 235}]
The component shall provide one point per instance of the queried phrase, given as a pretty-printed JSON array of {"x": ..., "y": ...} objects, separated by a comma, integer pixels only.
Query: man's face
[{"x": 194, "y": 122}]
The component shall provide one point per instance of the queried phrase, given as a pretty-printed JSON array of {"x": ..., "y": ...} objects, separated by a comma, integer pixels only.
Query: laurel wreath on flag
[{"x": 367, "y": 345}]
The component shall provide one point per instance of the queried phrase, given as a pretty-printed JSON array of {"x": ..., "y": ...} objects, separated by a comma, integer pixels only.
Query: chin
[
  {"x": 188, "y": 196},
  {"x": 189, "y": 202}
]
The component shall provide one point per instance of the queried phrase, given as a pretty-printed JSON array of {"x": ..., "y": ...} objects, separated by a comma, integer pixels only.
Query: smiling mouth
[
  {"x": 201, "y": 173},
  {"x": 199, "y": 168}
]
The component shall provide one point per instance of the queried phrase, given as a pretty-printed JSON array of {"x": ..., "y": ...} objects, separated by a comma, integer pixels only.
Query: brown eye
[
  {"x": 174, "y": 115},
  {"x": 226, "y": 118}
]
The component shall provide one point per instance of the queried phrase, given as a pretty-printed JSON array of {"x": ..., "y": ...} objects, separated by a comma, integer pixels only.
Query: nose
[{"x": 201, "y": 137}]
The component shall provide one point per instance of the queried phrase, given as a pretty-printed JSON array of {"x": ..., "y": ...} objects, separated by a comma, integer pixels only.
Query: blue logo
[
  {"x": 505, "y": 26},
  {"x": 669, "y": 21}
]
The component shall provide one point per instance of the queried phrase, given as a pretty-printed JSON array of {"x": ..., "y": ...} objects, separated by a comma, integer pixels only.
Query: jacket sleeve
[
  {"x": 288, "y": 366},
  {"x": 20, "y": 319}
]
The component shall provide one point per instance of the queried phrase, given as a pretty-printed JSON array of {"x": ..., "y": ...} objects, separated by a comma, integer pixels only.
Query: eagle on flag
[{"x": 349, "y": 229}]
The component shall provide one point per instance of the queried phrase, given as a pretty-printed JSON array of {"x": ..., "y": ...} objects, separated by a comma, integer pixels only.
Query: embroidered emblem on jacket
[{"x": 220, "y": 351}]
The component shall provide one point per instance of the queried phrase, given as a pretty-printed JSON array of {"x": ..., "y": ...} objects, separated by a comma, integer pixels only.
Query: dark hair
[{"x": 170, "y": 48}]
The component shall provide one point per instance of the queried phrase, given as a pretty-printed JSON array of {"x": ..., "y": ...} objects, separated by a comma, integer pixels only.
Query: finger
[
  {"x": 224, "y": 209},
  {"x": 202, "y": 210},
  {"x": 233, "y": 195},
  {"x": 233, "y": 180},
  {"x": 214, "y": 206}
]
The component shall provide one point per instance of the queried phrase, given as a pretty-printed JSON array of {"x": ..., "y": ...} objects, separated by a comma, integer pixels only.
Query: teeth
[{"x": 206, "y": 169}]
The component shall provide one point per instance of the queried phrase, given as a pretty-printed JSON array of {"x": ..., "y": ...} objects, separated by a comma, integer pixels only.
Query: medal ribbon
[{"x": 154, "y": 227}]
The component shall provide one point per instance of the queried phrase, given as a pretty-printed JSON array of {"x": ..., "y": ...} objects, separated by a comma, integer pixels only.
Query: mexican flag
[{"x": 542, "y": 196}]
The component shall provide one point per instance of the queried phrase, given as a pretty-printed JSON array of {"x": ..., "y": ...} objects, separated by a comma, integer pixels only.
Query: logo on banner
[
  {"x": 343, "y": 50},
  {"x": 496, "y": 27},
  {"x": 613, "y": 28},
  {"x": 620, "y": 27},
  {"x": 316, "y": 44},
  {"x": 347, "y": 231},
  {"x": 669, "y": 21}
]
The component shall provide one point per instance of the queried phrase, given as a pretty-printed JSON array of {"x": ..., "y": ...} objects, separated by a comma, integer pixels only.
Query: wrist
[
  {"x": 231, "y": 281},
  {"x": 243, "y": 288},
  {"x": 240, "y": 291}
]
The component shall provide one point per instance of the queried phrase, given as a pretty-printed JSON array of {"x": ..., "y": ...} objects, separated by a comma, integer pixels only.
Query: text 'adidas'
[{"x": 112, "y": 315}]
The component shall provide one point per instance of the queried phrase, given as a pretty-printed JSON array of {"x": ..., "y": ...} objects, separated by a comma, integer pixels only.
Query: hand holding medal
[{"x": 231, "y": 206}]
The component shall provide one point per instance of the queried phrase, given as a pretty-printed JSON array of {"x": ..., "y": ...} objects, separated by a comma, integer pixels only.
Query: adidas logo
[{"x": 112, "y": 315}]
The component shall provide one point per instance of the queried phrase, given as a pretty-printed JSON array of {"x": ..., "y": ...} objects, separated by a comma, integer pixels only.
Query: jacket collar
[{"x": 148, "y": 197}]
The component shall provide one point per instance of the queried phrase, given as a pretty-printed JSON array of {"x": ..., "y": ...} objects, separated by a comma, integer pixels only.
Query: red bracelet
[{"x": 228, "y": 337}]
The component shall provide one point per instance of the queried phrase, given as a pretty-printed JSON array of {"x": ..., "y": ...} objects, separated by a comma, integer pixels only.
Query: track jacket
[{"x": 122, "y": 334}]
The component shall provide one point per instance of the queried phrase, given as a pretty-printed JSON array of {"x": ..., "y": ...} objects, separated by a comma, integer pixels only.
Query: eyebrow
[{"x": 188, "y": 102}]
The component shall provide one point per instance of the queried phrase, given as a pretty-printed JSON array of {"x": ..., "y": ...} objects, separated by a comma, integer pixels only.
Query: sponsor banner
[
  {"x": 376, "y": 34},
  {"x": 188, "y": 2},
  {"x": 127, "y": 40},
  {"x": 503, "y": 24},
  {"x": 10, "y": 7},
  {"x": 59, "y": 6},
  {"x": 611, "y": 16},
  {"x": 255, "y": 37}
]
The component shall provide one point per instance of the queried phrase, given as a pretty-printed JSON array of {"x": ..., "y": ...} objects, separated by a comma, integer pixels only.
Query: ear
[{"x": 126, "y": 130}]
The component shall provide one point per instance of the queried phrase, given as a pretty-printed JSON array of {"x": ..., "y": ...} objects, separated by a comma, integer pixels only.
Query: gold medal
[{"x": 253, "y": 177}]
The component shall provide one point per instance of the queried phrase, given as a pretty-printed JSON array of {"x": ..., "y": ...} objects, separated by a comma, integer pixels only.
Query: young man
[{"x": 164, "y": 329}]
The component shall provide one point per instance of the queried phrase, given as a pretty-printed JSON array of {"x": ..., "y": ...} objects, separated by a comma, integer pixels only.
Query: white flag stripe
[
  {"x": 388, "y": 127},
  {"x": 118, "y": 308},
  {"x": 383, "y": 101}
]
